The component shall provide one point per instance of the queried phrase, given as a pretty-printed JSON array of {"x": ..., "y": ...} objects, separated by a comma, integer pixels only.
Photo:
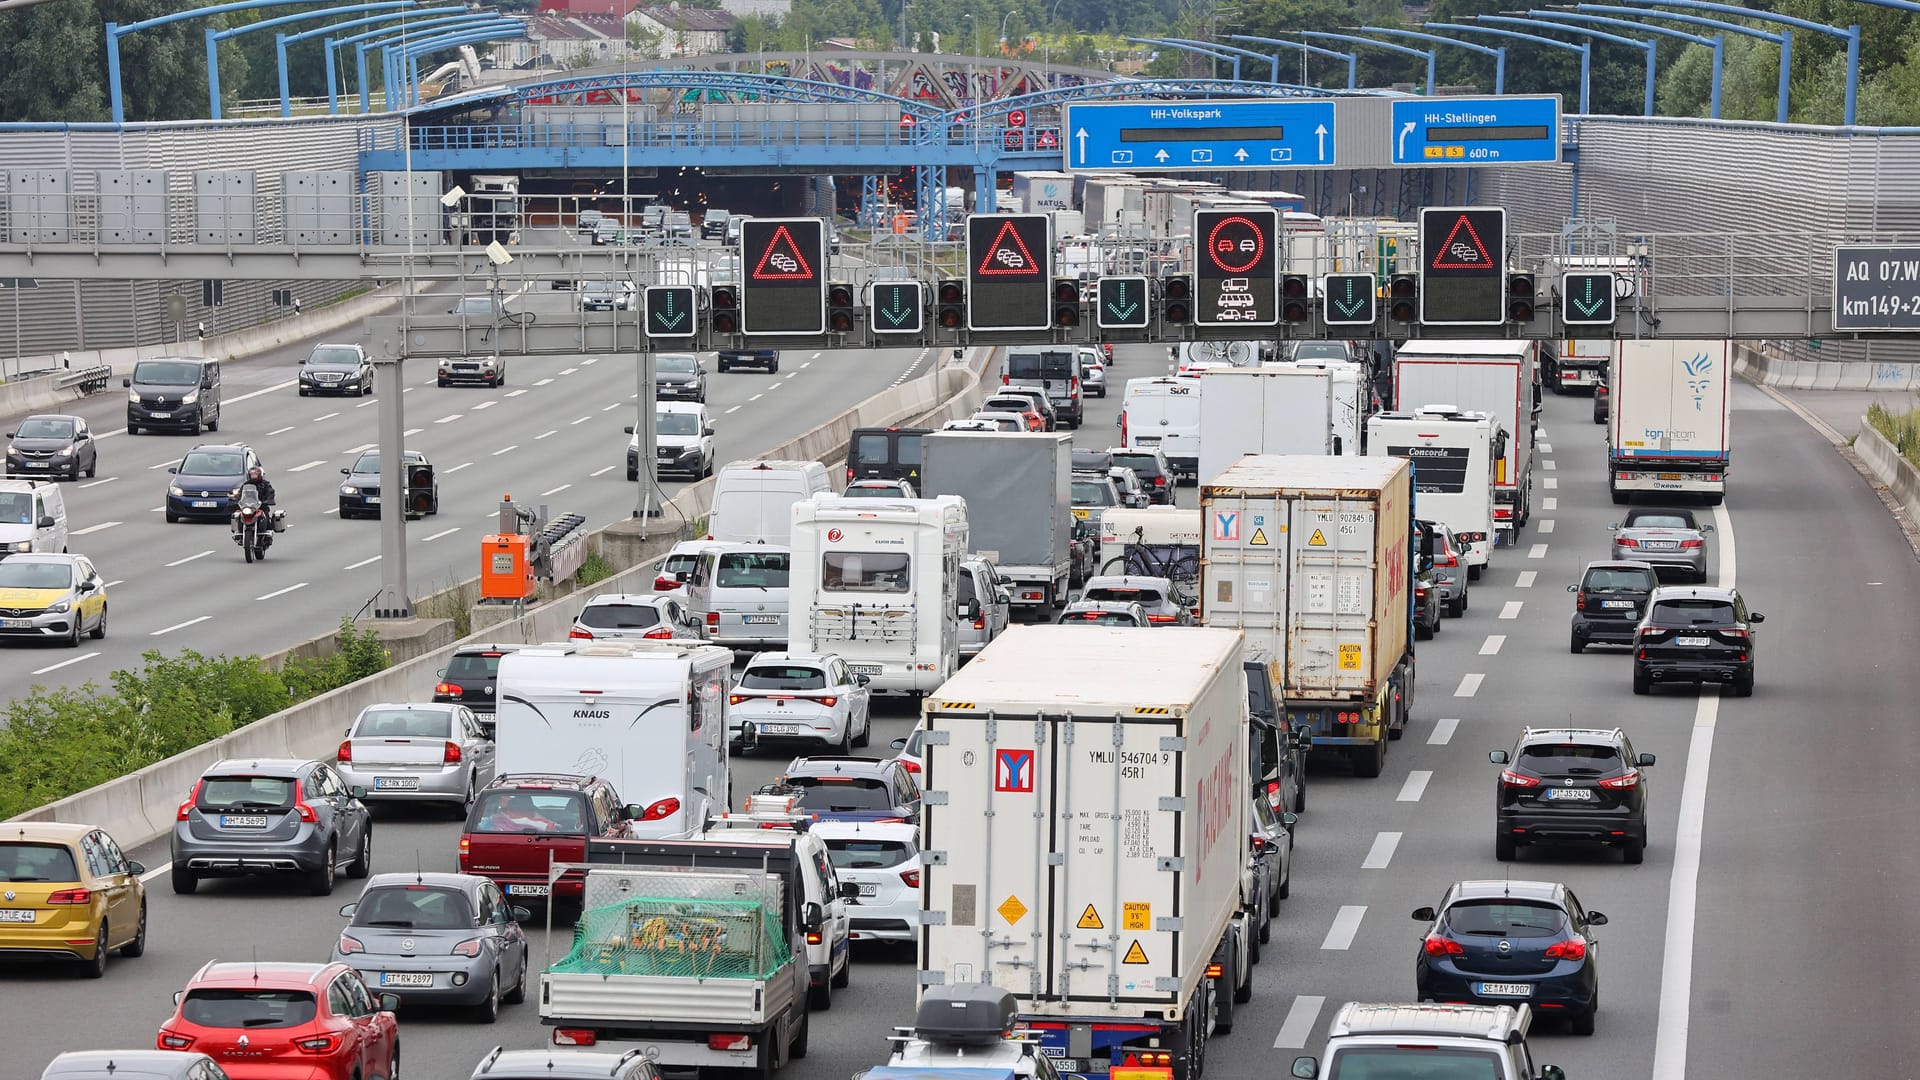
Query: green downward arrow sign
[
  {"x": 1349, "y": 305},
  {"x": 1121, "y": 308},
  {"x": 669, "y": 319},
  {"x": 1588, "y": 304},
  {"x": 896, "y": 312}
]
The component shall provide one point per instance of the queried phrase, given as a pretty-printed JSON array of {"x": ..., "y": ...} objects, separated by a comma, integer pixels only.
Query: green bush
[
  {"x": 60, "y": 741},
  {"x": 593, "y": 569},
  {"x": 1900, "y": 429}
]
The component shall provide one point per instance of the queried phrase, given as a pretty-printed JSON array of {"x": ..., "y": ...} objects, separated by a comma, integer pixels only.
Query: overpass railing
[{"x": 704, "y": 134}]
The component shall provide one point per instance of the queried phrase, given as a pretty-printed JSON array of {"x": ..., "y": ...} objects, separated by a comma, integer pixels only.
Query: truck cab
[{"x": 1420, "y": 1040}]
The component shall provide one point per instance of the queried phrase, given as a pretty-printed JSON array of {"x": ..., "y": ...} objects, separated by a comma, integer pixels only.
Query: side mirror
[
  {"x": 343, "y": 472},
  {"x": 389, "y": 1003},
  {"x": 849, "y": 891},
  {"x": 136, "y": 868},
  {"x": 1756, "y": 617},
  {"x": 1552, "y": 1072},
  {"x": 347, "y": 910},
  {"x": 1004, "y": 598},
  {"x": 898, "y": 744},
  {"x": 441, "y": 674},
  {"x": 1500, "y": 757},
  {"x": 1289, "y": 820},
  {"x": 972, "y": 610},
  {"x": 1575, "y": 587},
  {"x": 1613, "y": 526},
  {"x": 11, "y": 434},
  {"x": 47, "y": 522},
  {"x": 1706, "y": 528},
  {"x": 521, "y": 914},
  {"x": 1304, "y": 737},
  {"x": 357, "y": 792},
  {"x": 175, "y": 469},
  {"x": 129, "y": 382},
  {"x": 863, "y": 680},
  {"x": 629, "y": 429},
  {"x": 1307, "y": 1068},
  {"x": 708, "y": 430},
  {"x": 811, "y": 917},
  {"x": 1645, "y": 760},
  {"x": 1595, "y": 918},
  {"x": 1424, "y": 914},
  {"x": 632, "y": 812},
  {"x": 178, "y": 997}
]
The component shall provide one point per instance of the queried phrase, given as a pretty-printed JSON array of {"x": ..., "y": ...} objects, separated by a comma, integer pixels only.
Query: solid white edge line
[
  {"x": 1301, "y": 1016},
  {"x": 1381, "y": 854},
  {"x": 1443, "y": 730},
  {"x": 1415, "y": 786},
  {"x": 1676, "y": 969}
]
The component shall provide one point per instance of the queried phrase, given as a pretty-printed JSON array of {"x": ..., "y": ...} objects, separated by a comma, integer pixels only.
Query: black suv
[
  {"x": 1696, "y": 634},
  {"x": 470, "y": 679},
  {"x": 1571, "y": 785},
  {"x": 1608, "y": 602}
]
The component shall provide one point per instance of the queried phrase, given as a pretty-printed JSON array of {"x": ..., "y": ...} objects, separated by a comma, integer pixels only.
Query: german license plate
[
  {"x": 38, "y": 464},
  {"x": 396, "y": 783},
  {"x": 406, "y": 978},
  {"x": 1082, "y": 513},
  {"x": 1616, "y": 603},
  {"x": 869, "y": 889},
  {"x": 16, "y": 624},
  {"x": 204, "y": 504},
  {"x": 1691, "y": 641},
  {"x": 865, "y": 669},
  {"x": 160, "y": 416},
  {"x": 1661, "y": 545},
  {"x": 243, "y": 821},
  {"x": 1070, "y": 1065},
  {"x": 373, "y": 500},
  {"x": 762, "y": 620},
  {"x": 17, "y": 915},
  {"x": 781, "y": 729},
  {"x": 1569, "y": 795},
  {"x": 1487, "y": 989},
  {"x": 529, "y": 890}
]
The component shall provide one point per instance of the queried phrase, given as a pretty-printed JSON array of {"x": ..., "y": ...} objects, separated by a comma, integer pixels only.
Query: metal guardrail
[
  {"x": 721, "y": 134},
  {"x": 91, "y": 380}
]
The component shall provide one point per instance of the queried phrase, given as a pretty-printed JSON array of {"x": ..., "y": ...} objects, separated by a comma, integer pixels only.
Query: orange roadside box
[{"x": 506, "y": 567}]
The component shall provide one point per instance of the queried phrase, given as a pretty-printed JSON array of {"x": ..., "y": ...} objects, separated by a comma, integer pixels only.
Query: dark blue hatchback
[{"x": 1509, "y": 943}]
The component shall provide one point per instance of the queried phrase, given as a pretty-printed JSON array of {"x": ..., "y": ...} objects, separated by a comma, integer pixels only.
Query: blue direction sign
[
  {"x": 1517, "y": 130},
  {"x": 1168, "y": 136}
]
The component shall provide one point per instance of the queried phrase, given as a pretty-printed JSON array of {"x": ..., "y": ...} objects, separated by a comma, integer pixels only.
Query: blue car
[
  {"x": 851, "y": 789},
  {"x": 1512, "y": 943},
  {"x": 206, "y": 483}
]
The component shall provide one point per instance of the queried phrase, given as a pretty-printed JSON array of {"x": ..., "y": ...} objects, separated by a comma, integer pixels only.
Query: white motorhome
[
  {"x": 651, "y": 717},
  {"x": 875, "y": 581},
  {"x": 1453, "y": 455},
  {"x": 1494, "y": 377},
  {"x": 1164, "y": 412},
  {"x": 753, "y": 500}
]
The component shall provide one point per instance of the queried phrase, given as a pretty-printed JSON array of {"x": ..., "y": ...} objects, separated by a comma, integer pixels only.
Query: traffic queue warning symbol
[
  {"x": 1090, "y": 920},
  {"x": 1258, "y": 539},
  {"x": 1008, "y": 256},
  {"x": 1135, "y": 954},
  {"x": 782, "y": 260},
  {"x": 1318, "y": 539},
  {"x": 1457, "y": 254}
]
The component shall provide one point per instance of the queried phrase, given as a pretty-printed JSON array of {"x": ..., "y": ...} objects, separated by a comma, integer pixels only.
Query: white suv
[
  {"x": 1413, "y": 1040},
  {"x": 683, "y": 435}
]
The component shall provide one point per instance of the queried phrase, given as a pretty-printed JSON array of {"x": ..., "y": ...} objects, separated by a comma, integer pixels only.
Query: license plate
[
  {"x": 782, "y": 729},
  {"x": 866, "y": 669},
  {"x": 38, "y": 464},
  {"x": 1070, "y": 1065},
  {"x": 869, "y": 890},
  {"x": 529, "y": 890},
  {"x": 16, "y": 624},
  {"x": 204, "y": 504},
  {"x": 373, "y": 500},
  {"x": 160, "y": 415},
  {"x": 469, "y": 368},
  {"x": 396, "y": 783},
  {"x": 1661, "y": 545},
  {"x": 1692, "y": 641},
  {"x": 1082, "y": 513},
  {"x": 22, "y": 915},
  {"x": 243, "y": 821},
  {"x": 1487, "y": 989},
  {"x": 406, "y": 978},
  {"x": 1616, "y": 603},
  {"x": 761, "y": 620},
  {"x": 1569, "y": 795}
]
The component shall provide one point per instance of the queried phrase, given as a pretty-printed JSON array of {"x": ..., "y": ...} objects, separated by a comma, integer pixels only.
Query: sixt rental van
[{"x": 648, "y": 716}]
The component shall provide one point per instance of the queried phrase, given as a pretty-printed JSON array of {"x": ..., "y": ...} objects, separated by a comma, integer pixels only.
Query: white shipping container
[
  {"x": 1264, "y": 410},
  {"x": 1086, "y": 804},
  {"x": 1493, "y": 377},
  {"x": 1043, "y": 191},
  {"x": 1669, "y": 427}
]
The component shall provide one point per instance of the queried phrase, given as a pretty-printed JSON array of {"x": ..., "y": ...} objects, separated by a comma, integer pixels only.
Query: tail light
[
  {"x": 713, "y": 620},
  {"x": 350, "y": 945},
  {"x": 662, "y": 810},
  {"x": 577, "y": 634},
  {"x": 735, "y": 699},
  {"x": 911, "y": 877},
  {"x": 445, "y": 689},
  {"x": 849, "y": 480},
  {"x": 1626, "y": 781},
  {"x": 1073, "y": 385},
  {"x": 175, "y": 1042},
  {"x": 1420, "y": 591},
  {"x": 192, "y": 798},
  {"x": 1159, "y": 620},
  {"x": 1005, "y": 379},
  {"x": 1446, "y": 559},
  {"x": 469, "y": 947},
  {"x": 911, "y": 766},
  {"x": 1654, "y": 631},
  {"x": 829, "y": 701},
  {"x": 663, "y": 583},
  {"x": 1625, "y": 542},
  {"x": 1567, "y": 950},
  {"x": 451, "y": 756},
  {"x": 573, "y": 1037},
  {"x": 1734, "y": 632},
  {"x": 1580, "y": 600},
  {"x": 345, "y": 753},
  {"x": 1159, "y": 481},
  {"x": 71, "y": 896},
  {"x": 980, "y": 623},
  {"x": 466, "y": 851},
  {"x": 813, "y": 937},
  {"x": 1518, "y": 779},
  {"x": 318, "y": 1044},
  {"x": 300, "y": 804},
  {"x": 1214, "y": 971},
  {"x": 1693, "y": 543},
  {"x": 1435, "y": 945},
  {"x": 1502, "y": 513},
  {"x": 730, "y": 1041},
  {"x": 663, "y": 633}
]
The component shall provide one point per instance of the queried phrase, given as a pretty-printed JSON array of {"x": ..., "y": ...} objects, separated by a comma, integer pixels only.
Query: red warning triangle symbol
[
  {"x": 1450, "y": 258},
  {"x": 782, "y": 264},
  {"x": 1008, "y": 256}
]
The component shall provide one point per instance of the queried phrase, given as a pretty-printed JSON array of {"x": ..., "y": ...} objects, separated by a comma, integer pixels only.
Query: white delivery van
[
  {"x": 753, "y": 500},
  {"x": 738, "y": 595},
  {"x": 1453, "y": 454},
  {"x": 33, "y": 517},
  {"x": 1164, "y": 412},
  {"x": 876, "y": 581},
  {"x": 651, "y": 717},
  {"x": 1494, "y": 377}
]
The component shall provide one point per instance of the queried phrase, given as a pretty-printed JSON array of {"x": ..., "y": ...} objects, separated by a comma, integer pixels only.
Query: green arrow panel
[
  {"x": 1350, "y": 299},
  {"x": 1587, "y": 298},
  {"x": 897, "y": 307},
  {"x": 669, "y": 311},
  {"x": 1122, "y": 303}
]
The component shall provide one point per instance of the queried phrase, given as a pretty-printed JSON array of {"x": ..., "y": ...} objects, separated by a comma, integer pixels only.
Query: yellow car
[
  {"x": 68, "y": 893},
  {"x": 52, "y": 596}
]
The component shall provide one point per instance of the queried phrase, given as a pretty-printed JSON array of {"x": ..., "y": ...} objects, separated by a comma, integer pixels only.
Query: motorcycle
[{"x": 254, "y": 524}]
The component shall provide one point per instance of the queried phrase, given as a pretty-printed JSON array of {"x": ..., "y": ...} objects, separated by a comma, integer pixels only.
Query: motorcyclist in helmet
[{"x": 261, "y": 486}]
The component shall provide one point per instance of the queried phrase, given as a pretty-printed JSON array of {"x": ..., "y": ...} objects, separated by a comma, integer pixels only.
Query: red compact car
[{"x": 286, "y": 1022}]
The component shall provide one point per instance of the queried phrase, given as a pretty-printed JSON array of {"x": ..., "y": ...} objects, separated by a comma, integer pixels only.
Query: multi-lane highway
[
  {"x": 554, "y": 434},
  {"x": 1753, "y": 942}
]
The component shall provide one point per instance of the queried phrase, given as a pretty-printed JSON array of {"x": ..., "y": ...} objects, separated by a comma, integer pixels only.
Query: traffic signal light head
[
  {"x": 1294, "y": 299},
  {"x": 1176, "y": 300},
  {"x": 420, "y": 496},
  {"x": 1403, "y": 298},
  {"x": 950, "y": 304},
  {"x": 725, "y": 303},
  {"x": 1520, "y": 295},
  {"x": 840, "y": 307},
  {"x": 1066, "y": 302}
]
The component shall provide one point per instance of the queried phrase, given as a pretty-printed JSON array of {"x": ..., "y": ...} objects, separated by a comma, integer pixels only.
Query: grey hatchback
[
  {"x": 502, "y": 1064},
  {"x": 437, "y": 939},
  {"x": 1163, "y": 602},
  {"x": 271, "y": 815},
  {"x": 133, "y": 1065}
]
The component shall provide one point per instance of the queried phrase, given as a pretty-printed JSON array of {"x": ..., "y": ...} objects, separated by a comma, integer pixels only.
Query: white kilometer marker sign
[
  {"x": 282, "y": 592},
  {"x": 1491, "y": 646},
  {"x": 1443, "y": 730},
  {"x": 1346, "y": 923},
  {"x": 1382, "y": 851},
  {"x": 1511, "y": 609},
  {"x": 66, "y": 663},
  {"x": 1469, "y": 685},
  {"x": 1415, "y": 786},
  {"x": 1538, "y": 551},
  {"x": 1298, "y": 1025},
  {"x": 1525, "y": 580}
]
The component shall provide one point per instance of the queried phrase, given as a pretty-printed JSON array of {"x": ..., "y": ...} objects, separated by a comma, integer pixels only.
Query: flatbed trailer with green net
[{"x": 695, "y": 963}]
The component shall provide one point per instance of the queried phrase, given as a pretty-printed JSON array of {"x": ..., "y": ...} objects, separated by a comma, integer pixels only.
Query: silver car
[
  {"x": 437, "y": 939},
  {"x": 986, "y": 606},
  {"x": 1093, "y": 376},
  {"x": 502, "y": 1064},
  {"x": 1103, "y": 613},
  {"x": 633, "y": 617},
  {"x": 429, "y": 752},
  {"x": 1449, "y": 570},
  {"x": 133, "y": 1065},
  {"x": 251, "y": 816},
  {"x": 1669, "y": 539},
  {"x": 1163, "y": 602}
]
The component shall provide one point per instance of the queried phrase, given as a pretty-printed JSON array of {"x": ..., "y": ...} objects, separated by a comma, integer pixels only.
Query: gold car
[
  {"x": 68, "y": 893},
  {"x": 51, "y": 597}
]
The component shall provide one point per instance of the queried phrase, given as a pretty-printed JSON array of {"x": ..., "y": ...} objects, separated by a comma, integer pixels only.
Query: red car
[{"x": 286, "y": 1022}]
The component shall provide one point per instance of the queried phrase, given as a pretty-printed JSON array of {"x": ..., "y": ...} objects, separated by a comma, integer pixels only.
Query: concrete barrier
[
  {"x": 140, "y": 806},
  {"x": 1758, "y": 366},
  {"x": 1883, "y": 460},
  {"x": 38, "y": 393}
]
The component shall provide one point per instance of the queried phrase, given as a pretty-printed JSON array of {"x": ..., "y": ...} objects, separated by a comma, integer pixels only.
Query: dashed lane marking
[
  {"x": 179, "y": 626},
  {"x": 1384, "y": 845},
  {"x": 516, "y": 393},
  {"x": 1511, "y": 609},
  {"x": 65, "y": 663},
  {"x": 313, "y": 464},
  {"x": 1526, "y": 579},
  {"x": 555, "y": 491},
  {"x": 1550, "y": 483},
  {"x": 190, "y": 558},
  {"x": 1548, "y": 502},
  {"x": 1537, "y": 551},
  {"x": 1469, "y": 684},
  {"x": 94, "y": 528},
  {"x": 438, "y": 535},
  {"x": 282, "y": 592},
  {"x": 1491, "y": 646},
  {"x": 546, "y": 434},
  {"x": 361, "y": 563},
  {"x": 602, "y": 471},
  {"x": 97, "y": 483},
  {"x": 1443, "y": 730},
  {"x": 1415, "y": 786},
  {"x": 1346, "y": 923},
  {"x": 1546, "y": 526},
  {"x": 506, "y": 450},
  {"x": 1298, "y": 1026},
  {"x": 457, "y": 468},
  {"x": 278, "y": 431}
]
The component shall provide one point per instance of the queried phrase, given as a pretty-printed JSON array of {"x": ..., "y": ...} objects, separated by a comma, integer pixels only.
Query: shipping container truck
[
  {"x": 1312, "y": 557},
  {"x": 1282, "y": 409},
  {"x": 1026, "y": 481},
  {"x": 1085, "y": 828},
  {"x": 1452, "y": 454},
  {"x": 1044, "y": 191},
  {"x": 1494, "y": 377},
  {"x": 1669, "y": 430}
]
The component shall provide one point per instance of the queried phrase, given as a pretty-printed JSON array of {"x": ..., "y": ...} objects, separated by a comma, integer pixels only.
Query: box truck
[
  {"x": 1085, "y": 828},
  {"x": 1494, "y": 377},
  {"x": 649, "y": 716},
  {"x": 1278, "y": 409},
  {"x": 875, "y": 581},
  {"x": 1312, "y": 557},
  {"x": 1452, "y": 454},
  {"x": 1669, "y": 429},
  {"x": 1023, "y": 484}
]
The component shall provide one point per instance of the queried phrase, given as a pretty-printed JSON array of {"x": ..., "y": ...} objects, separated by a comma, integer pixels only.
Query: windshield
[
  {"x": 16, "y": 508},
  {"x": 783, "y": 677},
  {"x": 404, "y": 724},
  {"x": 43, "y": 428},
  {"x": 1505, "y": 918},
  {"x": 1086, "y": 493},
  {"x": 1680, "y": 612},
  {"x": 619, "y": 616},
  {"x": 335, "y": 354},
  {"x": 865, "y": 571},
  {"x": 676, "y": 423},
  {"x": 1659, "y": 521},
  {"x": 520, "y": 811},
  {"x": 872, "y": 491},
  {"x": 1141, "y": 464},
  {"x": 37, "y": 862},
  {"x": 674, "y": 364},
  {"x": 745, "y": 570},
  {"x": 1424, "y": 1062},
  {"x": 852, "y": 853},
  {"x": 842, "y": 793},
  {"x": 166, "y": 373},
  {"x": 1039, "y": 367},
  {"x": 237, "y": 791},
  {"x": 368, "y": 463},
  {"x": 1319, "y": 350},
  {"x": 1620, "y": 580},
  {"x": 1007, "y": 404},
  {"x": 214, "y": 463},
  {"x": 250, "y": 1008},
  {"x": 15, "y": 574},
  {"x": 1437, "y": 470},
  {"x": 414, "y": 907}
]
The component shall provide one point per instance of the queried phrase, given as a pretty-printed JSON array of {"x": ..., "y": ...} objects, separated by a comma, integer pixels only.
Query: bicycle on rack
[{"x": 1178, "y": 563}]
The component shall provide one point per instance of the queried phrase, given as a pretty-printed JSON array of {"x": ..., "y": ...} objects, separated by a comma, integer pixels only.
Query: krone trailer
[
  {"x": 1493, "y": 377},
  {"x": 1084, "y": 831},
  {"x": 1312, "y": 558},
  {"x": 875, "y": 581},
  {"x": 1669, "y": 428}
]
